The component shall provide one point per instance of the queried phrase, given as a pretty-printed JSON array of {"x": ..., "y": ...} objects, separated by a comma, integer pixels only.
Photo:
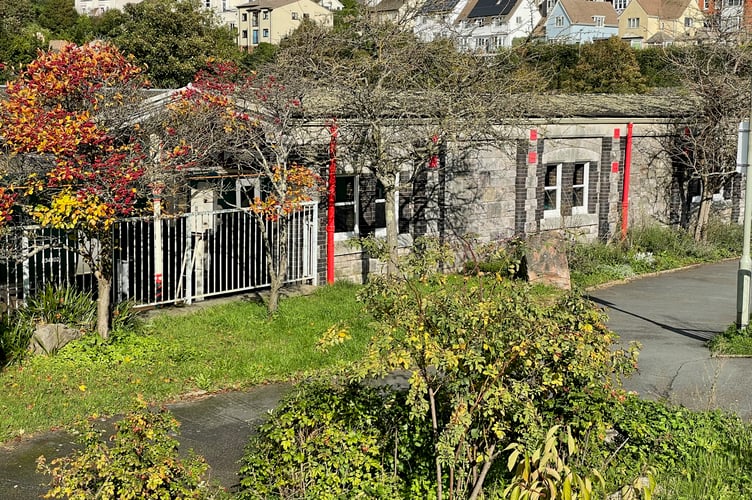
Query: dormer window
[
  {"x": 599, "y": 21},
  {"x": 559, "y": 21}
]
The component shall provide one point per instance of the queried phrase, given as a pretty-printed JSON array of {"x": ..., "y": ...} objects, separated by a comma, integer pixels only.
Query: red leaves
[{"x": 53, "y": 110}]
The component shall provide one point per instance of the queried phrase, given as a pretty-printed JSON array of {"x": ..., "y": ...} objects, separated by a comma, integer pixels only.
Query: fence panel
[{"x": 171, "y": 260}]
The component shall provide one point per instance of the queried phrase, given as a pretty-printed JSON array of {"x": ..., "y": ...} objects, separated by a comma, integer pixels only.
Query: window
[
  {"x": 265, "y": 14},
  {"x": 244, "y": 34},
  {"x": 255, "y": 40},
  {"x": 518, "y": 19},
  {"x": 345, "y": 204},
  {"x": 244, "y": 17},
  {"x": 359, "y": 212},
  {"x": 479, "y": 22},
  {"x": 255, "y": 19},
  {"x": 687, "y": 22},
  {"x": 265, "y": 33},
  {"x": 559, "y": 21},
  {"x": 580, "y": 187},
  {"x": 620, "y": 5},
  {"x": 706, "y": 4},
  {"x": 224, "y": 5},
  {"x": 294, "y": 16},
  {"x": 552, "y": 191},
  {"x": 599, "y": 21},
  {"x": 633, "y": 22},
  {"x": 306, "y": 16},
  {"x": 207, "y": 4},
  {"x": 734, "y": 3}
]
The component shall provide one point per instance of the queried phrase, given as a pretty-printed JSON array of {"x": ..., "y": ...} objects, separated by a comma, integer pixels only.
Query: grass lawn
[{"x": 229, "y": 346}]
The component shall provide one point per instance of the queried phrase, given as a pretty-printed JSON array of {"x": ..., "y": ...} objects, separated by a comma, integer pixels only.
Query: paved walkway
[{"x": 671, "y": 315}]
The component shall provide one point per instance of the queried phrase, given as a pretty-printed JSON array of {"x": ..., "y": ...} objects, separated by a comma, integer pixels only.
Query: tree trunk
[
  {"x": 703, "y": 216},
  {"x": 276, "y": 262},
  {"x": 104, "y": 288},
  {"x": 392, "y": 225}
]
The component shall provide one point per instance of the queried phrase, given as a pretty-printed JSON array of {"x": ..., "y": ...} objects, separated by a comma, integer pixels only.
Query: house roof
[
  {"x": 432, "y": 6},
  {"x": 582, "y": 11},
  {"x": 492, "y": 8},
  {"x": 660, "y": 38},
  {"x": 388, "y": 5},
  {"x": 664, "y": 9},
  {"x": 266, "y": 4}
]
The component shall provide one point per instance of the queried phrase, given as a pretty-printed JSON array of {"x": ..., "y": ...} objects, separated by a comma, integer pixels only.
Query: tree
[
  {"x": 75, "y": 164},
  {"x": 57, "y": 15},
  {"x": 252, "y": 124},
  {"x": 608, "y": 66},
  {"x": 173, "y": 39},
  {"x": 702, "y": 144},
  {"x": 404, "y": 100}
]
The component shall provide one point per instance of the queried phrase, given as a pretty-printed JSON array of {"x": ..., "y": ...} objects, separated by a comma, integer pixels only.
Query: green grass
[
  {"x": 230, "y": 346},
  {"x": 650, "y": 249},
  {"x": 734, "y": 341}
]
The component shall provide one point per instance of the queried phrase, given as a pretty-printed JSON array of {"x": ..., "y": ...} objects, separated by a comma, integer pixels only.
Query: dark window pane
[
  {"x": 549, "y": 200},
  {"x": 344, "y": 219},
  {"x": 345, "y": 189},
  {"x": 579, "y": 174},
  {"x": 380, "y": 193},
  {"x": 578, "y": 197},
  {"x": 550, "y": 179},
  {"x": 380, "y": 214}
]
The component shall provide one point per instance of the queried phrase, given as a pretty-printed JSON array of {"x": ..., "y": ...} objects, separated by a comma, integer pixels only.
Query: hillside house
[
  {"x": 661, "y": 22},
  {"x": 487, "y": 25},
  {"x": 269, "y": 21},
  {"x": 581, "y": 21}
]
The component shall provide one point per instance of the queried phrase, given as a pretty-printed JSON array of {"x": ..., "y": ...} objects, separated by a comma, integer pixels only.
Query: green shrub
[
  {"x": 141, "y": 462},
  {"x": 505, "y": 257},
  {"x": 14, "y": 339},
  {"x": 492, "y": 362},
  {"x": 327, "y": 441},
  {"x": 60, "y": 304}
]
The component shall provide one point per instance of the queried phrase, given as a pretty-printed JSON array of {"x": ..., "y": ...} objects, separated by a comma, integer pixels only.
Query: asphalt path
[{"x": 673, "y": 315}]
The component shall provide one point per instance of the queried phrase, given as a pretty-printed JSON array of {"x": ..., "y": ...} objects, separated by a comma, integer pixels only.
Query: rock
[
  {"x": 546, "y": 260},
  {"x": 48, "y": 338}
]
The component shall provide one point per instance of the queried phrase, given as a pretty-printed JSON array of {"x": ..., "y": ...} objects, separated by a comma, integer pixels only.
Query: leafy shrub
[
  {"x": 60, "y": 304},
  {"x": 505, "y": 257},
  {"x": 141, "y": 462},
  {"x": 327, "y": 441},
  {"x": 125, "y": 319},
  {"x": 14, "y": 339},
  {"x": 489, "y": 363}
]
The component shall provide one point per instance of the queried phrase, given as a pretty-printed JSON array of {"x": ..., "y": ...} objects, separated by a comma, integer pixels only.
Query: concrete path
[{"x": 673, "y": 315}]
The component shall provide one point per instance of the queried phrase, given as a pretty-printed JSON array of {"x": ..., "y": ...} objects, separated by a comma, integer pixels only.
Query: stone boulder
[
  {"x": 546, "y": 260},
  {"x": 50, "y": 337}
]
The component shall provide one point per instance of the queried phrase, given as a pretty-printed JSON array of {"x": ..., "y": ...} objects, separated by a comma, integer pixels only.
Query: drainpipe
[
  {"x": 625, "y": 193},
  {"x": 744, "y": 275},
  {"x": 330, "y": 203}
]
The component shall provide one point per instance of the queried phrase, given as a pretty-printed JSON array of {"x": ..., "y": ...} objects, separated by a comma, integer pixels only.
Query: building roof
[
  {"x": 433, "y": 6},
  {"x": 388, "y": 5},
  {"x": 581, "y": 12},
  {"x": 492, "y": 8},
  {"x": 664, "y": 9},
  {"x": 266, "y": 4}
]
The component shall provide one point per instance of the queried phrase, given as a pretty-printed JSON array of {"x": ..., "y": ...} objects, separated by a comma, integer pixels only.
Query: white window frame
[
  {"x": 599, "y": 21},
  {"x": 620, "y": 4},
  {"x": 581, "y": 209},
  {"x": 633, "y": 22},
  {"x": 355, "y": 203},
  {"x": 559, "y": 21},
  {"x": 265, "y": 33},
  {"x": 379, "y": 231},
  {"x": 252, "y": 188},
  {"x": 688, "y": 22},
  {"x": 554, "y": 212}
]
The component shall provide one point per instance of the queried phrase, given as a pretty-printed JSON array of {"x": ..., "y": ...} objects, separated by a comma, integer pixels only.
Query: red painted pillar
[
  {"x": 331, "y": 192},
  {"x": 625, "y": 192}
]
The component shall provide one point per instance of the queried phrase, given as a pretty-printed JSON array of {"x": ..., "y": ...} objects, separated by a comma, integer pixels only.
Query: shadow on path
[{"x": 695, "y": 334}]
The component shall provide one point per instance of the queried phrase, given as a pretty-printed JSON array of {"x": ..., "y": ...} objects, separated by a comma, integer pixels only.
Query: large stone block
[
  {"x": 49, "y": 338},
  {"x": 546, "y": 260}
]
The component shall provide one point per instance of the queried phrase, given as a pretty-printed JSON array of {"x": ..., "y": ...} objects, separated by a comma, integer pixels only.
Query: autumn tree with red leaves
[
  {"x": 255, "y": 125},
  {"x": 77, "y": 160}
]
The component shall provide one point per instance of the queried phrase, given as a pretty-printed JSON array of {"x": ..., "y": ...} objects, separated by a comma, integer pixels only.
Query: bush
[
  {"x": 493, "y": 362},
  {"x": 60, "y": 304},
  {"x": 141, "y": 462},
  {"x": 14, "y": 339},
  {"x": 327, "y": 441},
  {"x": 505, "y": 257}
]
